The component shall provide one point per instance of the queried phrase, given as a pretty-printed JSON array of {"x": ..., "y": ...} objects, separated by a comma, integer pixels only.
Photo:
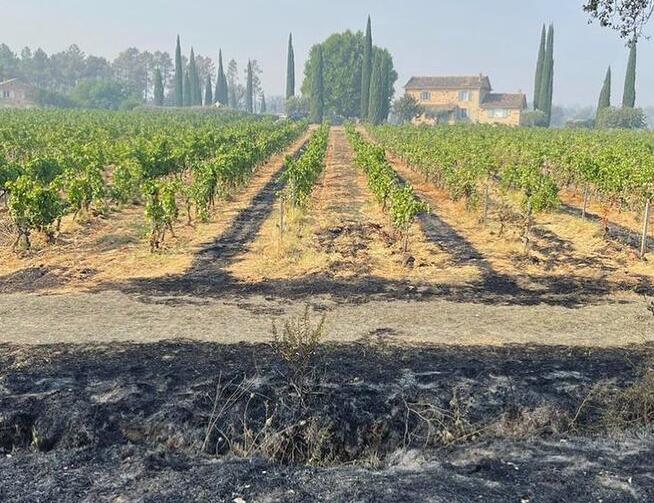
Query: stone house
[
  {"x": 15, "y": 93},
  {"x": 450, "y": 100}
]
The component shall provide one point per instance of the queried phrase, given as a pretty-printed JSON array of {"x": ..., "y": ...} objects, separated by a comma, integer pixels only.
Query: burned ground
[{"x": 129, "y": 422}]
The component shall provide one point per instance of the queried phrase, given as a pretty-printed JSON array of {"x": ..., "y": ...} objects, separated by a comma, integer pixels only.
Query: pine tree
[
  {"x": 208, "y": 93},
  {"x": 317, "y": 105},
  {"x": 222, "y": 93},
  {"x": 179, "y": 76},
  {"x": 629, "y": 96},
  {"x": 188, "y": 98},
  {"x": 366, "y": 71},
  {"x": 158, "y": 89},
  {"x": 538, "y": 81},
  {"x": 264, "y": 107},
  {"x": 605, "y": 95},
  {"x": 547, "y": 82},
  {"x": 290, "y": 69},
  {"x": 249, "y": 90},
  {"x": 375, "y": 112},
  {"x": 194, "y": 79}
]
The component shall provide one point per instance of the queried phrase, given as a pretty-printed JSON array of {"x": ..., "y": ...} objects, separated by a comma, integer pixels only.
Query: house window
[
  {"x": 5, "y": 94},
  {"x": 463, "y": 113},
  {"x": 464, "y": 95},
  {"x": 498, "y": 113},
  {"x": 425, "y": 96}
]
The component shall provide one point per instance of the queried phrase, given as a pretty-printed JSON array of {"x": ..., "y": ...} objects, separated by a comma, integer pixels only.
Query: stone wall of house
[
  {"x": 450, "y": 97},
  {"x": 512, "y": 119},
  {"x": 16, "y": 94}
]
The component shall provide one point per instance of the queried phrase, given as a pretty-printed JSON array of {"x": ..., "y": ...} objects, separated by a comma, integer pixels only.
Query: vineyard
[
  {"x": 432, "y": 206},
  {"x": 475, "y": 283},
  {"x": 615, "y": 168}
]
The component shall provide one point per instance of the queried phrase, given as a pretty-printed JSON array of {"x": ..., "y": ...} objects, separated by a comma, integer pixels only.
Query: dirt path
[{"x": 340, "y": 192}]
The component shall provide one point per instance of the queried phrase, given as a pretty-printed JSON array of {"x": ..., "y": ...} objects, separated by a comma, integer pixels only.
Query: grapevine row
[{"x": 399, "y": 198}]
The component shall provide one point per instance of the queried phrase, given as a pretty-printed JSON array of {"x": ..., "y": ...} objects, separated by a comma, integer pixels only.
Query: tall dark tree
[
  {"x": 629, "y": 96},
  {"x": 249, "y": 90},
  {"x": 290, "y": 69},
  {"x": 179, "y": 76},
  {"x": 605, "y": 95},
  {"x": 208, "y": 92},
  {"x": 547, "y": 85},
  {"x": 264, "y": 106},
  {"x": 538, "y": 81},
  {"x": 188, "y": 95},
  {"x": 194, "y": 80},
  {"x": 375, "y": 107},
  {"x": 387, "y": 93},
  {"x": 317, "y": 105},
  {"x": 222, "y": 93},
  {"x": 158, "y": 89},
  {"x": 342, "y": 64},
  {"x": 366, "y": 71}
]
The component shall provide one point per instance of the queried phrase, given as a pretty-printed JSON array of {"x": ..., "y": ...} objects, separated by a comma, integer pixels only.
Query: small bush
[
  {"x": 580, "y": 124},
  {"x": 621, "y": 118},
  {"x": 296, "y": 344},
  {"x": 534, "y": 118}
]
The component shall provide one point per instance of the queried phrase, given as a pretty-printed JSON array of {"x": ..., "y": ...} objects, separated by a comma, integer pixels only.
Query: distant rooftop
[
  {"x": 504, "y": 100},
  {"x": 450, "y": 82}
]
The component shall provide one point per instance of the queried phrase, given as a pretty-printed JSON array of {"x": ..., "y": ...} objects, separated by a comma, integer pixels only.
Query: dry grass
[
  {"x": 115, "y": 248},
  {"x": 561, "y": 245},
  {"x": 344, "y": 234}
]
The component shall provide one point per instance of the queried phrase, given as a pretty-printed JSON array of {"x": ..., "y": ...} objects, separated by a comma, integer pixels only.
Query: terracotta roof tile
[
  {"x": 504, "y": 100},
  {"x": 476, "y": 82}
]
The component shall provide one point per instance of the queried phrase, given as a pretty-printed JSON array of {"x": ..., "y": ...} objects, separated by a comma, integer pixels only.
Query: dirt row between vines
[
  {"x": 565, "y": 251},
  {"x": 341, "y": 235},
  {"x": 114, "y": 248}
]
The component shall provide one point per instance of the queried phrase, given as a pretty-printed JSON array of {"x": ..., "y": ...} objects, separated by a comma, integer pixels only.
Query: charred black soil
[{"x": 187, "y": 421}]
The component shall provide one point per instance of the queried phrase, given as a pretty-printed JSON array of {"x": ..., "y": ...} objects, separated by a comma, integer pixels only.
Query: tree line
[
  {"x": 346, "y": 77},
  {"x": 73, "y": 78}
]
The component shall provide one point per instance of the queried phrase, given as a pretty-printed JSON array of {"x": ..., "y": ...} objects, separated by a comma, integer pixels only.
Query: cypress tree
[
  {"x": 179, "y": 76},
  {"x": 208, "y": 93},
  {"x": 194, "y": 80},
  {"x": 538, "y": 81},
  {"x": 188, "y": 98},
  {"x": 605, "y": 95},
  {"x": 290, "y": 69},
  {"x": 388, "y": 89},
  {"x": 264, "y": 107},
  {"x": 375, "y": 112},
  {"x": 366, "y": 71},
  {"x": 249, "y": 90},
  {"x": 547, "y": 82},
  {"x": 158, "y": 89},
  {"x": 222, "y": 93},
  {"x": 629, "y": 97},
  {"x": 317, "y": 111}
]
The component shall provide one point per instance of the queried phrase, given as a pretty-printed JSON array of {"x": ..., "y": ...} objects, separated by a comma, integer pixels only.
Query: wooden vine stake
[
  {"x": 586, "y": 195},
  {"x": 486, "y": 202},
  {"x": 282, "y": 207},
  {"x": 643, "y": 241}
]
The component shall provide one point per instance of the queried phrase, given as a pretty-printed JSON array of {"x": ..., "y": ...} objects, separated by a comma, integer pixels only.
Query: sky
[{"x": 426, "y": 37}]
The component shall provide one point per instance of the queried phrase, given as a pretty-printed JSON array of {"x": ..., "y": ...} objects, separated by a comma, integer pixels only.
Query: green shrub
[
  {"x": 534, "y": 118},
  {"x": 621, "y": 118}
]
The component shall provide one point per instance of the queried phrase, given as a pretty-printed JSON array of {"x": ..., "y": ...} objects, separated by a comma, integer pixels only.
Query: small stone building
[
  {"x": 15, "y": 93},
  {"x": 450, "y": 100}
]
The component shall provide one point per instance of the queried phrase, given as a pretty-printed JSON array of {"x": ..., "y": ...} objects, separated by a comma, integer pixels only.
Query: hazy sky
[{"x": 426, "y": 37}]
